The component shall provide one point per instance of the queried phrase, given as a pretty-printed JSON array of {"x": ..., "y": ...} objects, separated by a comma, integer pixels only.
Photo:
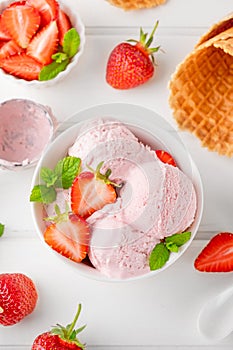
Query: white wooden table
[{"x": 155, "y": 313}]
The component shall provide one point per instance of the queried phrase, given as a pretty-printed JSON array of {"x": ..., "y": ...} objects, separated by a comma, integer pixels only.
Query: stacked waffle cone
[
  {"x": 136, "y": 4},
  {"x": 201, "y": 89}
]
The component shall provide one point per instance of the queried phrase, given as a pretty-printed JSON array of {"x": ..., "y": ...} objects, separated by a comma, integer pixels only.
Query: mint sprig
[
  {"x": 62, "y": 176},
  {"x": 161, "y": 252},
  {"x": 2, "y": 228},
  {"x": 61, "y": 59}
]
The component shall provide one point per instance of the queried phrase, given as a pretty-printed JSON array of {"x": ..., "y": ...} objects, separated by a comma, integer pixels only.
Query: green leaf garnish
[
  {"x": 52, "y": 70},
  {"x": 59, "y": 57},
  {"x": 2, "y": 228},
  {"x": 43, "y": 194},
  {"x": 61, "y": 177},
  {"x": 71, "y": 42},
  {"x": 161, "y": 252},
  {"x": 48, "y": 176},
  {"x": 66, "y": 170},
  {"x": 159, "y": 256},
  {"x": 178, "y": 238}
]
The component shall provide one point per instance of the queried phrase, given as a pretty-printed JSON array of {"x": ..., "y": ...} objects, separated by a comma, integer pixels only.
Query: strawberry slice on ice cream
[
  {"x": 217, "y": 256},
  {"x": 91, "y": 191},
  {"x": 69, "y": 237}
]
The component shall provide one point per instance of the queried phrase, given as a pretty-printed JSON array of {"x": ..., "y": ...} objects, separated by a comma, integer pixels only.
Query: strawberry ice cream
[{"x": 155, "y": 200}]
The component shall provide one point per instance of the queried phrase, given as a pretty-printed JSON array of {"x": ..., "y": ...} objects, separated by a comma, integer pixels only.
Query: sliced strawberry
[
  {"x": 4, "y": 35},
  {"x": 48, "y": 10},
  {"x": 217, "y": 256},
  {"x": 165, "y": 157},
  {"x": 44, "y": 44},
  {"x": 21, "y": 22},
  {"x": 17, "y": 3},
  {"x": 21, "y": 66},
  {"x": 90, "y": 192},
  {"x": 10, "y": 48},
  {"x": 69, "y": 238},
  {"x": 64, "y": 24}
]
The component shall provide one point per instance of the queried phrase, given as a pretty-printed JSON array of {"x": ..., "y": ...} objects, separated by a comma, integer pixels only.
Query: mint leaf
[
  {"x": 172, "y": 247},
  {"x": 2, "y": 228},
  {"x": 52, "y": 70},
  {"x": 59, "y": 57},
  {"x": 43, "y": 194},
  {"x": 159, "y": 256},
  {"x": 178, "y": 238},
  {"x": 71, "y": 42},
  {"x": 66, "y": 170},
  {"x": 48, "y": 176}
]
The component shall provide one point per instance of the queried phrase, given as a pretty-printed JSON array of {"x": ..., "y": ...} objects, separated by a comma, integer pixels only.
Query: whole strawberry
[
  {"x": 131, "y": 65},
  {"x": 18, "y": 297},
  {"x": 60, "y": 338}
]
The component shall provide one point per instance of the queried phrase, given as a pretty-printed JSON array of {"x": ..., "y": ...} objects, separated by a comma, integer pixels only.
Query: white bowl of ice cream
[
  {"x": 156, "y": 200},
  {"x": 16, "y": 71},
  {"x": 26, "y": 128}
]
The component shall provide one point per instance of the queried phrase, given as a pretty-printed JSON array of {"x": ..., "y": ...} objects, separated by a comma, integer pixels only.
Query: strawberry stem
[
  {"x": 104, "y": 177},
  {"x": 70, "y": 330}
]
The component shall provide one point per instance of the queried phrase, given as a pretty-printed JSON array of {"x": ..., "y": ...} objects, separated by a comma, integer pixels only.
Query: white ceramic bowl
[
  {"x": 77, "y": 24},
  {"x": 151, "y": 129}
]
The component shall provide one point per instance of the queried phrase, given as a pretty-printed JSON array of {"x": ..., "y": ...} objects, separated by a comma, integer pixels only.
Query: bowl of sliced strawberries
[
  {"x": 116, "y": 196},
  {"x": 40, "y": 41}
]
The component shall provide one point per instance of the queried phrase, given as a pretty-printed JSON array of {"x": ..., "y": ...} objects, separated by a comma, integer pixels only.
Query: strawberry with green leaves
[
  {"x": 60, "y": 338},
  {"x": 130, "y": 65},
  {"x": 91, "y": 191},
  {"x": 217, "y": 255}
]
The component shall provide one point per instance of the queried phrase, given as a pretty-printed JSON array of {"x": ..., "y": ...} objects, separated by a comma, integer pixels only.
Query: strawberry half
[
  {"x": 165, "y": 157},
  {"x": 44, "y": 44},
  {"x": 91, "y": 191},
  {"x": 21, "y": 66},
  {"x": 48, "y": 10},
  {"x": 64, "y": 24},
  {"x": 69, "y": 237},
  {"x": 217, "y": 256},
  {"x": 10, "y": 48},
  {"x": 21, "y": 22}
]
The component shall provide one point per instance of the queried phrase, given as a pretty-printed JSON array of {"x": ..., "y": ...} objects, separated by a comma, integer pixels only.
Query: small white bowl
[
  {"x": 152, "y": 130},
  {"x": 77, "y": 24}
]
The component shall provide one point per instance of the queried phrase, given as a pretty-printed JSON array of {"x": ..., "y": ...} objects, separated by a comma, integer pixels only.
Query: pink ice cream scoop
[{"x": 156, "y": 200}]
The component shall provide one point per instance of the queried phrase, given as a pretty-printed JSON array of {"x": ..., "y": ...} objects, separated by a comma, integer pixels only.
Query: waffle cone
[
  {"x": 201, "y": 93},
  {"x": 136, "y": 4},
  {"x": 218, "y": 28}
]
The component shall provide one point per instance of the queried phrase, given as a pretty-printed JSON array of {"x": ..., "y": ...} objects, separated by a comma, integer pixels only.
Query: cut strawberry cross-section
[
  {"x": 21, "y": 66},
  {"x": 44, "y": 44},
  {"x": 217, "y": 256},
  {"x": 21, "y": 22},
  {"x": 48, "y": 10}
]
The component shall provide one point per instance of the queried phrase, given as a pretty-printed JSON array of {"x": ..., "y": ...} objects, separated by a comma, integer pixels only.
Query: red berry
[
  {"x": 18, "y": 297},
  {"x": 69, "y": 238},
  {"x": 165, "y": 157},
  {"x": 131, "y": 65},
  {"x": 217, "y": 256},
  {"x": 52, "y": 341},
  {"x": 91, "y": 191}
]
